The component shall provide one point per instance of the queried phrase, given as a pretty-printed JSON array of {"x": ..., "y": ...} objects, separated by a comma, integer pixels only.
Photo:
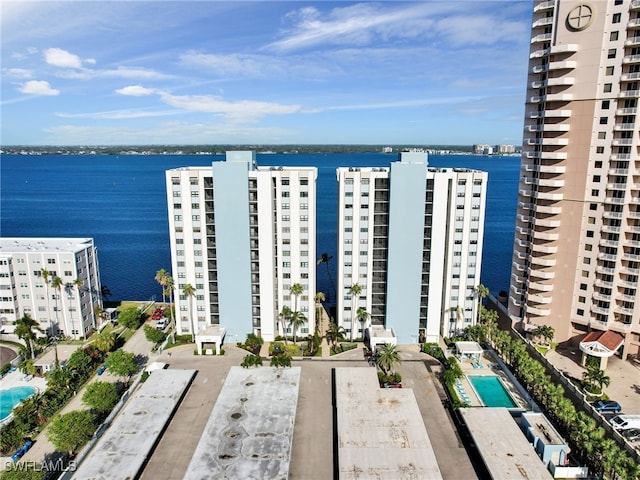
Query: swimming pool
[
  {"x": 11, "y": 397},
  {"x": 491, "y": 391}
]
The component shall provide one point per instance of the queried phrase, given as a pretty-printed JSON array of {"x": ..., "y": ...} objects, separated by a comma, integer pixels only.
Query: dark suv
[{"x": 606, "y": 406}]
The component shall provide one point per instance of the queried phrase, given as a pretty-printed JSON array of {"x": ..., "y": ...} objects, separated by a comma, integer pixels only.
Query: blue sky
[{"x": 240, "y": 72}]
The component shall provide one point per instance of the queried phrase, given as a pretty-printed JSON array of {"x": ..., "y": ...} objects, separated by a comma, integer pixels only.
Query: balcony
[
  {"x": 540, "y": 287},
  {"x": 549, "y": 127},
  {"x": 543, "y": 52},
  {"x": 540, "y": 312},
  {"x": 623, "y": 310},
  {"x": 561, "y": 81},
  {"x": 524, "y": 218},
  {"x": 537, "y": 69},
  {"x": 630, "y": 93},
  {"x": 526, "y": 193},
  {"x": 549, "y": 210},
  {"x": 525, "y": 205},
  {"x": 614, "y": 200},
  {"x": 635, "y": 4},
  {"x": 514, "y": 301},
  {"x": 625, "y": 283},
  {"x": 559, "y": 97},
  {"x": 565, "y": 48},
  {"x": 609, "y": 243},
  {"x": 552, "y": 169},
  {"x": 557, "y": 141},
  {"x": 517, "y": 278},
  {"x": 598, "y": 324},
  {"x": 603, "y": 283},
  {"x": 614, "y": 215},
  {"x": 545, "y": 222},
  {"x": 620, "y": 127},
  {"x": 634, "y": 23},
  {"x": 538, "y": 299},
  {"x": 553, "y": 155},
  {"x": 610, "y": 229},
  {"x": 547, "y": 182},
  {"x": 554, "y": 197},
  {"x": 607, "y": 256},
  {"x": 541, "y": 22},
  {"x": 626, "y": 298},
  {"x": 618, "y": 171},
  {"x": 626, "y": 111},
  {"x": 523, "y": 230},
  {"x": 600, "y": 310},
  {"x": 622, "y": 141},
  {"x": 546, "y": 249},
  {"x": 543, "y": 262},
  {"x": 550, "y": 113},
  {"x": 628, "y": 77},
  {"x": 605, "y": 270},
  {"x": 550, "y": 237},
  {"x": 515, "y": 266},
  {"x": 617, "y": 186},
  {"x": 516, "y": 290},
  {"x": 563, "y": 65},
  {"x": 543, "y": 37},
  {"x": 630, "y": 256},
  {"x": 601, "y": 296},
  {"x": 546, "y": 6},
  {"x": 632, "y": 243}
]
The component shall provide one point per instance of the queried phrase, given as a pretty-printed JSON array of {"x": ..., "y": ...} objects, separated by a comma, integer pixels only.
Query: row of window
[
  {"x": 303, "y": 218},
  {"x": 302, "y": 264}
]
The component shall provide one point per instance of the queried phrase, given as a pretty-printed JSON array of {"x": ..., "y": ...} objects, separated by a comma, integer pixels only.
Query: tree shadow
[
  {"x": 569, "y": 351},
  {"x": 140, "y": 360}
]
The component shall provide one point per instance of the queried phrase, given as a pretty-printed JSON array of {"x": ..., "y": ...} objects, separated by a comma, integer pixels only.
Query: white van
[
  {"x": 162, "y": 324},
  {"x": 625, "y": 422}
]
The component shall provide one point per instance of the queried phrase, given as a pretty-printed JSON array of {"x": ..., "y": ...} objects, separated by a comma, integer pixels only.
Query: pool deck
[{"x": 489, "y": 367}]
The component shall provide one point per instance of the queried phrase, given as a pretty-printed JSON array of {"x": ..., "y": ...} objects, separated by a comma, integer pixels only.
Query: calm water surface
[{"x": 121, "y": 202}]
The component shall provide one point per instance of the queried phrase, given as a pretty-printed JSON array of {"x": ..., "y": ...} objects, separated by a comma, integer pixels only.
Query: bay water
[{"x": 120, "y": 201}]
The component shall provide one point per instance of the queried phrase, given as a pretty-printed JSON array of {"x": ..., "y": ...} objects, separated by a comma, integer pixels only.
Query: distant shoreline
[{"x": 221, "y": 149}]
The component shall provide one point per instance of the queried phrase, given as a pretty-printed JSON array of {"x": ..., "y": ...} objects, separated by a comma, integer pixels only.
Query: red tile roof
[{"x": 610, "y": 340}]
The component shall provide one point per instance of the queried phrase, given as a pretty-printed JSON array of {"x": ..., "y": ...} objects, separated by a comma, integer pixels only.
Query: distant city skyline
[{"x": 168, "y": 72}]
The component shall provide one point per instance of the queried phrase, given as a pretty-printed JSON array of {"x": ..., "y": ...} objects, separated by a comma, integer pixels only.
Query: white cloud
[
  {"x": 118, "y": 114},
  {"x": 38, "y": 87},
  {"x": 135, "y": 91},
  {"x": 244, "y": 111},
  {"x": 61, "y": 58},
  {"x": 20, "y": 73},
  {"x": 120, "y": 72}
]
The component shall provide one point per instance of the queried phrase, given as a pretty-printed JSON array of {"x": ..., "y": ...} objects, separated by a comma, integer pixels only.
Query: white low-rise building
[{"x": 56, "y": 281}]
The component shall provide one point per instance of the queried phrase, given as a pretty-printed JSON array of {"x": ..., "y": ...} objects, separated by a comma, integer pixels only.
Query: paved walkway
[
  {"x": 139, "y": 346},
  {"x": 625, "y": 376}
]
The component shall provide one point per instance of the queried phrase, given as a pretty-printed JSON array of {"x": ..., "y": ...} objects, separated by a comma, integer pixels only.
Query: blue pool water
[
  {"x": 11, "y": 397},
  {"x": 491, "y": 391}
]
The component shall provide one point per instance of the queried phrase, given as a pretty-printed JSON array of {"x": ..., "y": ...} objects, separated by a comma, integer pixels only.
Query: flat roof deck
[
  {"x": 127, "y": 443},
  {"x": 505, "y": 450},
  {"x": 250, "y": 430},
  {"x": 381, "y": 434}
]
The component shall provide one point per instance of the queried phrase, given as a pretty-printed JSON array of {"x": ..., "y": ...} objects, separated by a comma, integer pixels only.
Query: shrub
[
  {"x": 251, "y": 361},
  {"x": 153, "y": 334}
]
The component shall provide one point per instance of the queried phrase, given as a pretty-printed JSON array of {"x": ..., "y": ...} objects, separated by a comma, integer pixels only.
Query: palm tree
[
  {"x": 319, "y": 299},
  {"x": 296, "y": 291},
  {"x": 481, "y": 292},
  {"x": 26, "y": 328},
  {"x": 45, "y": 274},
  {"x": 78, "y": 283},
  {"x": 596, "y": 378},
  {"x": 189, "y": 292},
  {"x": 168, "y": 289},
  {"x": 459, "y": 318},
  {"x": 104, "y": 341},
  {"x": 161, "y": 278},
  {"x": 355, "y": 291},
  {"x": 57, "y": 283},
  {"x": 363, "y": 316},
  {"x": 284, "y": 315},
  {"x": 297, "y": 320},
  {"x": 387, "y": 358},
  {"x": 335, "y": 334},
  {"x": 326, "y": 258}
]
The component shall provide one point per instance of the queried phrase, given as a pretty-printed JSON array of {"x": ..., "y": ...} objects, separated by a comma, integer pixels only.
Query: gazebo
[
  {"x": 466, "y": 350},
  {"x": 601, "y": 345},
  {"x": 210, "y": 337}
]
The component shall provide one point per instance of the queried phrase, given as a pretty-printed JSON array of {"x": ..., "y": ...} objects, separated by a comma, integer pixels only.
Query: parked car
[
  {"x": 632, "y": 434},
  {"x": 625, "y": 422},
  {"x": 21, "y": 451},
  {"x": 162, "y": 324},
  {"x": 605, "y": 406},
  {"x": 101, "y": 369}
]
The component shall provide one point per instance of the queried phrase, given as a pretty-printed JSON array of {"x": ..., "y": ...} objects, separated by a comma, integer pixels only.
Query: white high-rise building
[
  {"x": 54, "y": 280},
  {"x": 242, "y": 236},
  {"x": 576, "y": 261},
  {"x": 410, "y": 237}
]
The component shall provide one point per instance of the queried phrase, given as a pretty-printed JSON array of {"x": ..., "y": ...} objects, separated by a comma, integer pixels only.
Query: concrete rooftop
[
  {"x": 381, "y": 434},
  {"x": 250, "y": 431},
  {"x": 504, "y": 448},
  {"x": 127, "y": 444}
]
